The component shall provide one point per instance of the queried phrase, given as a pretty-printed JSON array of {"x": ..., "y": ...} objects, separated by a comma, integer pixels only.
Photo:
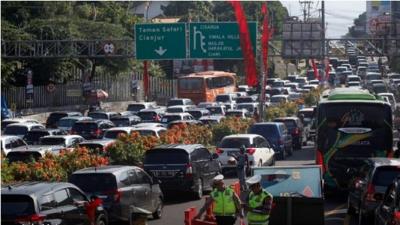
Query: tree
[{"x": 354, "y": 31}]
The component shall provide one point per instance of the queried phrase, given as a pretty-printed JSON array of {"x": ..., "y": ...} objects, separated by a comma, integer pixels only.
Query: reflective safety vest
[
  {"x": 254, "y": 202},
  {"x": 223, "y": 202}
]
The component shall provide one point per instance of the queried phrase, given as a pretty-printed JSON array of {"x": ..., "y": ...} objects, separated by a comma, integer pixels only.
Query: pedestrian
[
  {"x": 258, "y": 203},
  {"x": 227, "y": 205},
  {"x": 242, "y": 164}
]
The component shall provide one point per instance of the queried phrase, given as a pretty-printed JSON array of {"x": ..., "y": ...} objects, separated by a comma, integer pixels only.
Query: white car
[
  {"x": 150, "y": 131},
  {"x": 206, "y": 104},
  {"x": 178, "y": 108},
  {"x": 9, "y": 142},
  {"x": 391, "y": 98},
  {"x": 7, "y": 122},
  {"x": 137, "y": 106},
  {"x": 21, "y": 129},
  {"x": 113, "y": 133},
  {"x": 258, "y": 150},
  {"x": 278, "y": 99},
  {"x": 149, "y": 125}
]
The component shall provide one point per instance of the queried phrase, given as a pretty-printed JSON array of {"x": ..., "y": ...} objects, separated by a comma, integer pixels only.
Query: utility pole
[
  {"x": 306, "y": 6},
  {"x": 323, "y": 37}
]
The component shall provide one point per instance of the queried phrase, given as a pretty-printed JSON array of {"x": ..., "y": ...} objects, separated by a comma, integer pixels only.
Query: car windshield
[
  {"x": 276, "y": 99},
  {"x": 16, "y": 205},
  {"x": 16, "y": 130},
  {"x": 373, "y": 77},
  {"x": 175, "y": 110},
  {"x": 121, "y": 122},
  {"x": 290, "y": 124},
  {"x": 166, "y": 156},
  {"x": 175, "y": 102},
  {"x": 23, "y": 156},
  {"x": 66, "y": 122},
  {"x": 244, "y": 100},
  {"x": 170, "y": 118},
  {"x": 84, "y": 126},
  {"x": 33, "y": 137},
  {"x": 234, "y": 142},
  {"x": 94, "y": 182},
  {"x": 54, "y": 117},
  {"x": 215, "y": 110},
  {"x": 113, "y": 134},
  {"x": 52, "y": 141},
  {"x": 135, "y": 107},
  {"x": 222, "y": 98},
  {"x": 249, "y": 108},
  {"x": 146, "y": 132},
  {"x": 385, "y": 175},
  {"x": 98, "y": 116},
  {"x": 266, "y": 131},
  {"x": 147, "y": 115},
  {"x": 196, "y": 114}
]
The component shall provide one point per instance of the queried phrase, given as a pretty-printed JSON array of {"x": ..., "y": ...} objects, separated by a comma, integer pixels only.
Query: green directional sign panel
[
  {"x": 218, "y": 40},
  {"x": 160, "y": 41}
]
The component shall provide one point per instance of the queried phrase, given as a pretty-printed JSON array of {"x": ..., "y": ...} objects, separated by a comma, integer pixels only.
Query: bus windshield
[{"x": 348, "y": 132}]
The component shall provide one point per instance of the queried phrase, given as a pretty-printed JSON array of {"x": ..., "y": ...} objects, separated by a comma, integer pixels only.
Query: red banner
[
  {"x": 315, "y": 69},
  {"x": 245, "y": 43}
]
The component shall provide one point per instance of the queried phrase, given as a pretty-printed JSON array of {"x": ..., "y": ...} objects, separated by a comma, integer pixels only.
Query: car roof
[
  {"x": 384, "y": 161},
  {"x": 148, "y": 124},
  {"x": 23, "y": 125},
  {"x": 127, "y": 129},
  {"x": 98, "y": 141},
  {"x": 212, "y": 117},
  {"x": 77, "y": 118},
  {"x": 197, "y": 109},
  {"x": 269, "y": 123},
  {"x": 177, "y": 114},
  {"x": 281, "y": 96},
  {"x": 306, "y": 109},
  {"x": 287, "y": 118},
  {"x": 33, "y": 188},
  {"x": 148, "y": 128},
  {"x": 104, "y": 169},
  {"x": 7, "y": 137},
  {"x": 67, "y": 136},
  {"x": 188, "y": 148},
  {"x": 18, "y": 120},
  {"x": 241, "y": 136}
]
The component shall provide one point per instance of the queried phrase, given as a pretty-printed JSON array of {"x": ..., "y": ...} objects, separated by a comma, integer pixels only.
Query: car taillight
[
  {"x": 319, "y": 160},
  {"x": 97, "y": 132},
  {"x": 219, "y": 151},
  {"x": 396, "y": 218},
  {"x": 189, "y": 171},
  {"x": 116, "y": 195},
  {"x": 31, "y": 219},
  {"x": 370, "y": 193},
  {"x": 251, "y": 151}
]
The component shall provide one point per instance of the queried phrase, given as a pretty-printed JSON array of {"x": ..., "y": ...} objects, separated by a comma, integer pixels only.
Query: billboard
[{"x": 378, "y": 14}]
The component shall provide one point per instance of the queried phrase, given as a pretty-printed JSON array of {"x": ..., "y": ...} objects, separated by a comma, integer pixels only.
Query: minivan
[
  {"x": 277, "y": 135},
  {"x": 182, "y": 168}
]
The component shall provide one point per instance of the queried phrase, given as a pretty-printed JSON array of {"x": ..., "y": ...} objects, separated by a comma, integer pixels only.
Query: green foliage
[
  {"x": 228, "y": 126},
  {"x": 361, "y": 21},
  {"x": 312, "y": 98}
]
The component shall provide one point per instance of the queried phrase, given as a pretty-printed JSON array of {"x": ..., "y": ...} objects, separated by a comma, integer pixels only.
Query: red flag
[
  {"x": 245, "y": 43},
  {"x": 145, "y": 80},
  {"x": 265, "y": 37},
  {"x": 315, "y": 69}
]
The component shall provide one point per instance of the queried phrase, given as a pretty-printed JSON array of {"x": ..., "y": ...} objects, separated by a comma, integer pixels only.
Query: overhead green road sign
[
  {"x": 160, "y": 41},
  {"x": 218, "y": 40}
]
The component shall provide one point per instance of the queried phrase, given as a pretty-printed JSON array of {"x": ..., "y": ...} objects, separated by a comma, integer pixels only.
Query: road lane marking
[{"x": 338, "y": 210}]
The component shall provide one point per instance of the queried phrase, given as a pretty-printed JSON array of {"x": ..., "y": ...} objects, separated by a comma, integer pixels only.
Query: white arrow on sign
[{"x": 160, "y": 51}]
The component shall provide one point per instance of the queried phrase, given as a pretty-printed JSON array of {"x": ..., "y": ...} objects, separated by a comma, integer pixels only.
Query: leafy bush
[
  {"x": 51, "y": 167},
  {"x": 312, "y": 97},
  {"x": 228, "y": 126},
  {"x": 130, "y": 149}
]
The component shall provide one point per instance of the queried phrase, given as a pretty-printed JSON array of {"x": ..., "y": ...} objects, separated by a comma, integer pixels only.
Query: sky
[{"x": 339, "y": 14}]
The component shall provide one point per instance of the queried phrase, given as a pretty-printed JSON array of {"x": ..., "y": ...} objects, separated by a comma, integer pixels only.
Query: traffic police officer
[
  {"x": 258, "y": 203},
  {"x": 227, "y": 204}
]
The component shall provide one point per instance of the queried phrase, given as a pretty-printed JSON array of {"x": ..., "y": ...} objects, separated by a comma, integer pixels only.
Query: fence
[{"x": 118, "y": 88}]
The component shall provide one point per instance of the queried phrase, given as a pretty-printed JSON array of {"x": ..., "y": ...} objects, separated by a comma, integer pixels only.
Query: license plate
[{"x": 164, "y": 173}]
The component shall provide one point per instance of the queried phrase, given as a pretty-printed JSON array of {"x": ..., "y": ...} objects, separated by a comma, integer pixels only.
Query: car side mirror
[{"x": 214, "y": 156}]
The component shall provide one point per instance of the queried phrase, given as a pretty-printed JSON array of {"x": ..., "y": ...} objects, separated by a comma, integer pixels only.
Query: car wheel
[
  {"x": 101, "y": 220},
  {"x": 290, "y": 153},
  {"x": 198, "y": 194},
  {"x": 158, "y": 213},
  {"x": 350, "y": 209}
]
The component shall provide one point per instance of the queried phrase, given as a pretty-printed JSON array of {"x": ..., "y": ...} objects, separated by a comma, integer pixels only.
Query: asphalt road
[{"x": 335, "y": 206}]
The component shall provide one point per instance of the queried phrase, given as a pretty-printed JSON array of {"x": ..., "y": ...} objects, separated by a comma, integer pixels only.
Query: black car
[
  {"x": 54, "y": 117},
  {"x": 125, "y": 121},
  {"x": 89, "y": 129},
  {"x": 121, "y": 188},
  {"x": 369, "y": 184},
  {"x": 33, "y": 136},
  {"x": 187, "y": 168},
  {"x": 296, "y": 129},
  {"x": 46, "y": 203},
  {"x": 101, "y": 115},
  {"x": 388, "y": 212}
]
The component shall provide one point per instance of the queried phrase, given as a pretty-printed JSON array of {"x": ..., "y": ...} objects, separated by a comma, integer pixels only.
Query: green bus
[{"x": 352, "y": 124}]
